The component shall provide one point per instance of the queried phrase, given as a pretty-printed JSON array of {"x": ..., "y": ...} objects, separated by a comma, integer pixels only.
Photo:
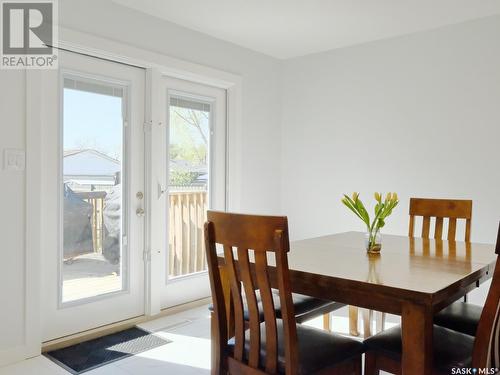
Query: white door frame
[
  {"x": 156, "y": 64},
  {"x": 196, "y": 285},
  {"x": 67, "y": 317}
]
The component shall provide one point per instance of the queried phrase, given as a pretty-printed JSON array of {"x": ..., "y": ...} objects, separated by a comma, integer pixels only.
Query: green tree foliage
[
  {"x": 189, "y": 135},
  {"x": 181, "y": 178}
]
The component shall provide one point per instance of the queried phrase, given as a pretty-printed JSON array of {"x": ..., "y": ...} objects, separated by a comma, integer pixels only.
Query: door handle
[{"x": 139, "y": 212}]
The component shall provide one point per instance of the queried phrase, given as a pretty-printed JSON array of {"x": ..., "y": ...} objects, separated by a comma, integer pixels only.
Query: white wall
[
  {"x": 418, "y": 114},
  {"x": 12, "y": 220},
  {"x": 260, "y": 147}
]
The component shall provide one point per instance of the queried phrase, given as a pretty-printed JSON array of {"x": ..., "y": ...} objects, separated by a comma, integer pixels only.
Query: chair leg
[
  {"x": 371, "y": 364},
  {"x": 327, "y": 322},
  {"x": 216, "y": 358},
  {"x": 358, "y": 366},
  {"x": 353, "y": 321},
  {"x": 367, "y": 322},
  {"x": 379, "y": 321}
]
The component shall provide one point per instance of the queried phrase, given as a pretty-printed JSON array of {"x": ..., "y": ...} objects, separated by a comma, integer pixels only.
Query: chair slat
[
  {"x": 438, "y": 230},
  {"x": 253, "y": 309},
  {"x": 411, "y": 228},
  {"x": 269, "y": 312},
  {"x": 239, "y": 319},
  {"x": 426, "y": 226},
  {"x": 452, "y": 229},
  {"x": 467, "y": 230}
]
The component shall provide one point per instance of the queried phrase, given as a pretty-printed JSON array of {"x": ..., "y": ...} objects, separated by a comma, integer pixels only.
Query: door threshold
[{"x": 109, "y": 329}]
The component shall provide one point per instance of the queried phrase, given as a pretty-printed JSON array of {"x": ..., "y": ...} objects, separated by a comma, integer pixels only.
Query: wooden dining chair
[
  {"x": 452, "y": 349},
  {"x": 440, "y": 209},
  {"x": 462, "y": 316},
  {"x": 252, "y": 247},
  {"x": 459, "y": 315}
]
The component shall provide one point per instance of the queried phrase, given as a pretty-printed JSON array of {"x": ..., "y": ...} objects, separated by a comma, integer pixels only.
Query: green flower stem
[{"x": 383, "y": 209}]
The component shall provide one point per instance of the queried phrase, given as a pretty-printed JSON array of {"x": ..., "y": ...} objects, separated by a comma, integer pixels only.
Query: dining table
[{"x": 411, "y": 277}]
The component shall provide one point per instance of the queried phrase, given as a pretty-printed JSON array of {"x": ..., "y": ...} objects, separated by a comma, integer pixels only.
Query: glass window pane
[
  {"x": 92, "y": 199},
  {"x": 189, "y": 136}
]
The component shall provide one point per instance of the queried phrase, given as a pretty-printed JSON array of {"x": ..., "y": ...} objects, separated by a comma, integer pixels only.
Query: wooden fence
[{"x": 187, "y": 214}]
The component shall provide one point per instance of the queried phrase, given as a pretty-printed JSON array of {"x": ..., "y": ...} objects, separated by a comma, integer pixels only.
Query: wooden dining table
[{"x": 411, "y": 277}]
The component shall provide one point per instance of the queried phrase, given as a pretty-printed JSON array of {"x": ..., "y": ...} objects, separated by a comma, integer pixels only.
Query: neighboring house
[{"x": 90, "y": 170}]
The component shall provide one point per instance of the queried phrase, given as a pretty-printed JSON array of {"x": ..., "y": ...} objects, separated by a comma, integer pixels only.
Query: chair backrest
[
  {"x": 452, "y": 209},
  {"x": 487, "y": 344},
  {"x": 252, "y": 237}
]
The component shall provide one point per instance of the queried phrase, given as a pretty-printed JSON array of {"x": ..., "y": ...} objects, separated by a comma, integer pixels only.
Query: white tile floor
[{"x": 187, "y": 354}]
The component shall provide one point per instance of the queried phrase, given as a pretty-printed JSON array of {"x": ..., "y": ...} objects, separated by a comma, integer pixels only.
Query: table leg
[{"x": 416, "y": 324}]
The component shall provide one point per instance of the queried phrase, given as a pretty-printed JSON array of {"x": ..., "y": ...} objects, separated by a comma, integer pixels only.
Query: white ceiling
[{"x": 290, "y": 28}]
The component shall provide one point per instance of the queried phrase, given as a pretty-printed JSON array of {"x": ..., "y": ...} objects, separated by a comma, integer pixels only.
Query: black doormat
[{"x": 91, "y": 354}]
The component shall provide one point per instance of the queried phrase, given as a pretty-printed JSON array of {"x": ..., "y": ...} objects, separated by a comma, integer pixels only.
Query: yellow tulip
[
  {"x": 355, "y": 196},
  {"x": 388, "y": 197},
  {"x": 394, "y": 197},
  {"x": 378, "y": 197}
]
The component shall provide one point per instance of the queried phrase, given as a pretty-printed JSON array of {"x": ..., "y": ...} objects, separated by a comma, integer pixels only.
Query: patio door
[
  {"x": 195, "y": 163},
  {"x": 93, "y": 194}
]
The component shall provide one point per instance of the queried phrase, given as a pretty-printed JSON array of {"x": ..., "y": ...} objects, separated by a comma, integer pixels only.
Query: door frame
[
  {"x": 218, "y": 175},
  {"x": 156, "y": 65},
  {"x": 126, "y": 160},
  {"x": 93, "y": 310}
]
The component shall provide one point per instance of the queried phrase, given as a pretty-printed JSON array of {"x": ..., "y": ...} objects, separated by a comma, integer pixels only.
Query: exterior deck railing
[{"x": 187, "y": 214}]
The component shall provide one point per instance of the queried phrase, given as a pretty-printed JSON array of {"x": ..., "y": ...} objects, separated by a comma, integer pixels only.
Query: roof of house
[{"x": 89, "y": 162}]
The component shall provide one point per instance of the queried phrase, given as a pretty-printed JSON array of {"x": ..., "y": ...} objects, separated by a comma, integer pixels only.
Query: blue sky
[{"x": 93, "y": 121}]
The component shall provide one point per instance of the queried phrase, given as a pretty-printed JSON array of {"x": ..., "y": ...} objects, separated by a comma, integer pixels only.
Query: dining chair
[
  {"x": 441, "y": 209},
  {"x": 452, "y": 349},
  {"x": 460, "y": 315},
  {"x": 250, "y": 245}
]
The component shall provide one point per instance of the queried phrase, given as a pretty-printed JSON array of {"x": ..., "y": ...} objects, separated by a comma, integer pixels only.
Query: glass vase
[{"x": 373, "y": 242}]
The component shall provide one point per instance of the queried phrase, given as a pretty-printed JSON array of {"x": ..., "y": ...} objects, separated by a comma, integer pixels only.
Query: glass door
[
  {"x": 196, "y": 170},
  {"x": 93, "y": 272}
]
